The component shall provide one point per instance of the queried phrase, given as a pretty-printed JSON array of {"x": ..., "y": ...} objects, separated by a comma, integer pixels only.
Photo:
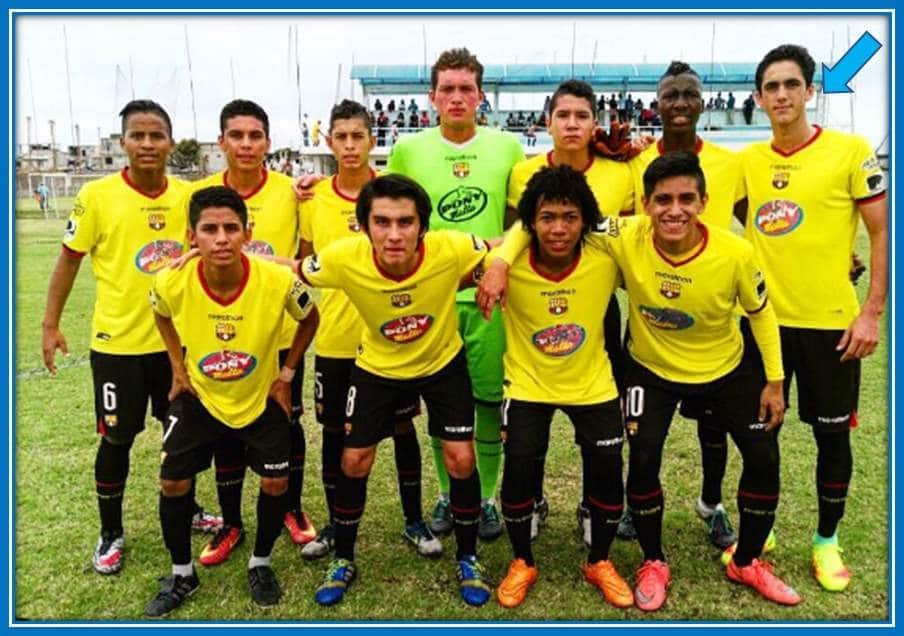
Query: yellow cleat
[{"x": 829, "y": 569}]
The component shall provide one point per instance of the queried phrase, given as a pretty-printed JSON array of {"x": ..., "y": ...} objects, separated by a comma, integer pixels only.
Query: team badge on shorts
[
  {"x": 558, "y": 306},
  {"x": 156, "y": 221},
  {"x": 631, "y": 427},
  {"x": 670, "y": 289},
  {"x": 400, "y": 300},
  {"x": 110, "y": 421},
  {"x": 780, "y": 180},
  {"x": 352, "y": 222},
  {"x": 348, "y": 428},
  {"x": 461, "y": 169},
  {"x": 225, "y": 331}
]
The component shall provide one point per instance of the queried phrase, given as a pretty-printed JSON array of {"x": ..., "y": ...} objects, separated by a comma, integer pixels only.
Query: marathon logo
[
  {"x": 558, "y": 306},
  {"x": 833, "y": 420},
  {"x": 780, "y": 180},
  {"x": 757, "y": 426},
  {"x": 226, "y": 366},
  {"x": 278, "y": 466},
  {"x": 559, "y": 340},
  {"x": 614, "y": 441},
  {"x": 225, "y": 331},
  {"x": 458, "y": 429},
  {"x": 156, "y": 255},
  {"x": 156, "y": 221},
  {"x": 778, "y": 217},
  {"x": 670, "y": 289},
  {"x": 407, "y": 328}
]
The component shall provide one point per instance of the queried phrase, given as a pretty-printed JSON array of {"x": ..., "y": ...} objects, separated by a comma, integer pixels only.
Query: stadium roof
[{"x": 386, "y": 79}]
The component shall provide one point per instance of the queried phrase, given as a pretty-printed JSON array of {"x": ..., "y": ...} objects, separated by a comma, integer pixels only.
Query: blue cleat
[
  {"x": 338, "y": 577},
  {"x": 471, "y": 584}
]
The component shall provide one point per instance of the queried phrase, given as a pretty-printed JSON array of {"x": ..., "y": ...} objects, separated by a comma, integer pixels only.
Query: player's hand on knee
[
  {"x": 772, "y": 404},
  {"x": 181, "y": 384},
  {"x": 304, "y": 186},
  {"x": 493, "y": 287},
  {"x": 281, "y": 393},
  {"x": 861, "y": 338},
  {"x": 179, "y": 263},
  {"x": 51, "y": 340}
]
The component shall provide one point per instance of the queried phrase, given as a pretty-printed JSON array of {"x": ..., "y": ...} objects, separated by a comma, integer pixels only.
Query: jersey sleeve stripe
[
  {"x": 873, "y": 198},
  {"x": 73, "y": 253},
  {"x": 758, "y": 309}
]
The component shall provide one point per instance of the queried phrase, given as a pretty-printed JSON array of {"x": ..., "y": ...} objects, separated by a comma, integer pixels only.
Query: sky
[{"x": 253, "y": 54}]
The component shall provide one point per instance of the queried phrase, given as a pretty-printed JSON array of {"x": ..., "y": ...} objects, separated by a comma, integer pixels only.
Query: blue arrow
[{"x": 835, "y": 79}]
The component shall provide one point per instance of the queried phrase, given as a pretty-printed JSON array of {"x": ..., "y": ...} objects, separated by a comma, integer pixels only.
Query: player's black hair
[
  {"x": 350, "y": 109},
  {"x": 577, "y": 88},
  {"x": 216, "y": 197},
  {"x": 561, "y": 184},
  {"x": 145, "y": 106},
  {"x": 681, "y": 163},
  {"x": 791, "y": 52},
  {"x": 393, "y": 186},
  {"x": 456, "y": 59},
  {"x": 238, "y": 107},
  {"x": 677, "y": 68}
]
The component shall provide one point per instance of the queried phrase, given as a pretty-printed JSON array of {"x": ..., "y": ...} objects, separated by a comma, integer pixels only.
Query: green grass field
[{"x": 56, "y": 518}]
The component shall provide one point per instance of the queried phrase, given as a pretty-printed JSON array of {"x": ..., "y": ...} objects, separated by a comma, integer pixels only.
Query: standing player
[
  {"x": 221, "y": 319},
  {"x": 684, "y": 281},
  {"x": 402, "y": 280},
  {"x": 327, "y": 217},
  {"x": 680, "y": 95},
  {"x": 273, "y": 213},
  {"x": 807, "y": 190},
  {"x": 572, "y": 122},
  {"x": 464, "y": 169},
  {"x": 554, "y": 334},
  {"x": 132, "y": 223}
]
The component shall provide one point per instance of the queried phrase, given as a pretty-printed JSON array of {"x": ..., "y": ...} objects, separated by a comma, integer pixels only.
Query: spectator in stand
[
  {"x": 305, "y": 133},
  {"x": 315, "y": 133},
  {"x": 401, "y": 106},
  {"x": 730, "y": 106},
  {"x": 412, "y": 120},
  {"x": 710, "y": 105},
  {"x": 546, "y": 104},
  {"x": 601, "y": 106},
  {"x": 482, "y": 119},
  {"x": 391, "y": 106},
  {"x": 400, "y": 119},
  {"x": 382, "y": 127},
  {"x": 394, "y": 132},
  {"x": 510, "y": 121},
  {"x": 748, "y": 109},
  {"x": 531, "y": 119},
  {"x": 521, "y": 122},
  {"x": 720, "y": 101},
  {"x": 638, "y": 106},
  {"x": 541, "y": 120},
  {"x": 425, "y": 119},
  {"x": 412, "y": 106},
  {"x": 378, "y": 105},
  {"x": 629, "y": 108},
  {"x": 485, "y": 106},
  {"x": 622, "y": 107},
  {"x": 531, "y": 135}
]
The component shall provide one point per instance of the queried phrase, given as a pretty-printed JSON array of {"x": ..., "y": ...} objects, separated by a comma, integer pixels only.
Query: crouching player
[
  {"x": 558, "y": 294},
  {"x": 684, "y": 280},
  {"x": 402, "y": 280},
  {"x": 228, "y": 395}
]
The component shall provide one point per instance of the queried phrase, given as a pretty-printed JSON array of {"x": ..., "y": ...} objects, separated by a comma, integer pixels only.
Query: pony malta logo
[
  {"x": 156, "y": 255},
  {"x": 226, "y": 366},
  {"x": 406, "y": 328},
  {"x": 560, "y": 340},
  {"x": 778, "y": 217}
]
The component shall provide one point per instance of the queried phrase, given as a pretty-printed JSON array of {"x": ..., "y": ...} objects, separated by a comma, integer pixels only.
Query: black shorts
[
  {"x": 692, "y": 409},
  {"x": 733, "y": 400},
  {"x": 374, "y": 402},
  {"x": 332, "y": 377},
  {"x": 295, "y": 386},
  {"x": 191, "y": 436},
  {"x": 827, "y": 389},
  {"x": 123, "y": 385},
  {"x": 527, "y": 424}
]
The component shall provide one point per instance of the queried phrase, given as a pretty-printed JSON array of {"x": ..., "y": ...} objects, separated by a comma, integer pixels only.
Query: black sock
[
  {"x": 111, "y": 468},
  {"x": 713, "y": 457},
  {"x": 464, "y": 500},
  {"x": 605, "y": 497},
  {"x": 758, "y": 494},
  {"x": 408, "y": 466},
  {"x": 351, "y": 495},
  {"x": 175, "y": 522},
  {"x": 230, "y": 480},
  {"x": 518, "y": 504},
  {"x": 297, "y": 450},
  {"x": 270, "y": 512},
  {"x": 647, "y": 508},
  {"x": 834, "y": 467},
  {"x": 331, "y": 467}
]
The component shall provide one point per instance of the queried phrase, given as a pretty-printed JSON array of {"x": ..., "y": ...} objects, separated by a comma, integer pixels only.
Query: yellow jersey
[
  {"x": 326, "y": 218},
  {"x": 554, "y": 330},
  {"x": 609, "y": 180},
  {"x": 273, "y": 218},
  {"x": 130, "y": 237},
  {"x": 231, "y": 344},
  {"x": 724, "y": 180},
  {"x": 802, "y": 220},
  {"x": 411, "y": 324}
]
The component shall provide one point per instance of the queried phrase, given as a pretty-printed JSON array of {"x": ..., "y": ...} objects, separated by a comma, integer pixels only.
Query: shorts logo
[
  {"x": 780, "y": 180},
  {"x": 225, "y": 331},
  {"x": 632, "y": 427},
  {"x": 400, "y": 300},
  {"x": 226, "y": 366},
  {"x": 406, "y": 328},
  {"x": 670, "y": 289},
  {"x": 110, "y": 421},
  {"x": 778, "y": 217},
  {"x": 666, "y": 318},
  {"x": 558, "y": 305},
  {"x": 461, "y": 204},
  {"x": 353, "y": 225},
  {"x": 156, "y": 221},
  {"x": 461, "y": 169},
  {"x": 560, "y": 340},
  {"x": 156, "y": 255},
  {"x": 258, "y": 247}
]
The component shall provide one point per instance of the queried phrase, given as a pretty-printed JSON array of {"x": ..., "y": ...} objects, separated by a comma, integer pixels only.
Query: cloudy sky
[{"x": 254, "y": 54}]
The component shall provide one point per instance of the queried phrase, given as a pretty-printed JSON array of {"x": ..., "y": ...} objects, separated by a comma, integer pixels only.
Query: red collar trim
[
  {"x": 551, "y": 164},
  {"x": 246, "y": 267},
  {"x": 259, "y": 187},
  {"x": 697, "y": 253},
  {"x": 134, "y": 186},
  {"x": 809, "y": 141},
  {"x": 698, "y": 146},
  {"x": 393, "y": 277},
  {"x": 555, "y": 278},
  {"x": 335, "y": 185}
]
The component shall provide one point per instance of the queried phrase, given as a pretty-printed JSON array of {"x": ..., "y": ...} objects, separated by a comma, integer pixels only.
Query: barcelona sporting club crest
[
  {"x": 670, "y": 289},
  {"x": 780, "y": 180},
  {"x": 225, "y": 331},
  {"x": 400, "y": 300},
  {"x": 558, "y": 306},
  {"x": 156, "y": 221},
  {"x": 631, "y": 427},
  {"x": 461, "y": 169},
  {"x": 353, "y": 225}
]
